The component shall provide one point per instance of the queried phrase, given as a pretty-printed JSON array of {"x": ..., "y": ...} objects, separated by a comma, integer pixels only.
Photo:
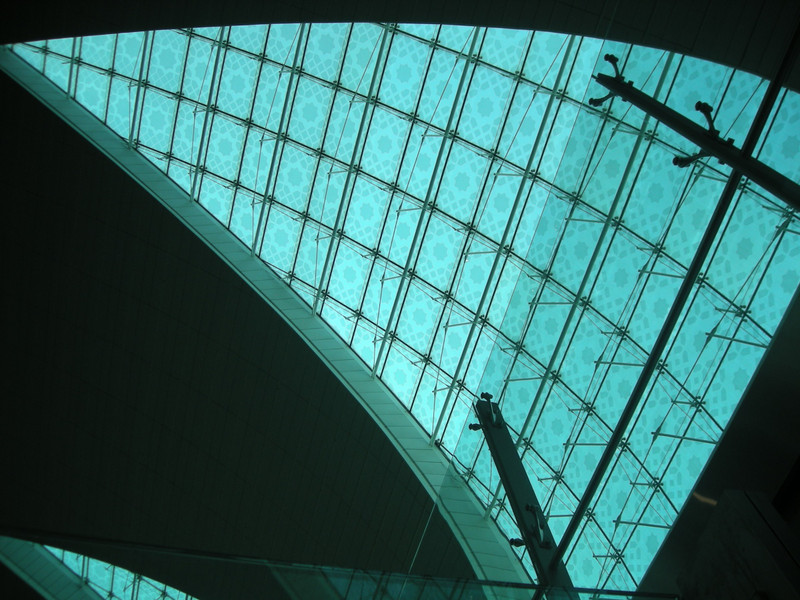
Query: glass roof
[
  {"x": 115, "y": 582},
  {"x": 447, "y": 201}
]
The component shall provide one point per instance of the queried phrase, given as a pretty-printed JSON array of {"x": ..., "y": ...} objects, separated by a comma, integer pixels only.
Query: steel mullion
[
  {"x": 601, "y": 239},
  {"x": 444, "y": 294},
  {"x": 618, "y": 346},
  {"x": 539, "y": 181},
  {"x": 464, "y": 312},
  {"x": 78, "y": 68},
  {"x": 45, "y": 54},
  {"x": 146, "y": 87},
  {"x": 535, "y": 301},
  {"x": 648, "y": 501},
  {"x": 532, "y": 154},
  {"x": 200, "y": 153},
  {"x": 669, "y": 349},
  {"x": 248, "y": 128},
  {"x": 211, "y": 115},
  {"x": 282, "y": 141},
  {"x": 721, "y": 360},
  {"x": 543, "y": 285},
  {"x": 486, "y": 324},
  {"x": 111, "y": 74},
  {"x": 370, "y": 98},
  {"x": 429, "y": 198},
  {"x": 685, "y": 291},
  {"x": 263, "y": 215},
  {"x": 777, "y": 242},
  {"x": 585, "y": 281},
  {"x": 404, "y": 194},
  {"x": 411, "y": 118},
  {"x": 640, "y": 462},
  {"x": 497, "y": 260},
  {"x": 179, "y": 98},
  {"x": 72, "y": 67},
  {"x": 628, "y": 539},
  {"x": 132, "y": 123},
  {"x": 349, "y": 184},
  {"x": 492, "y": 157},
  {"x": 320, "y": 154}
]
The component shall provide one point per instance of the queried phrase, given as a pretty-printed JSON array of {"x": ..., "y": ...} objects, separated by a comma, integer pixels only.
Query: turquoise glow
[
  {"x": 445, "y": 199},
  {"x": 114, "y": 582}
]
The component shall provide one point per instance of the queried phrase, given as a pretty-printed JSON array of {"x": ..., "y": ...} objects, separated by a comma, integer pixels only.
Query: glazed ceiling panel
[
  {"x": 447, "y": 201},
  {"x": 109, "y": 581}
]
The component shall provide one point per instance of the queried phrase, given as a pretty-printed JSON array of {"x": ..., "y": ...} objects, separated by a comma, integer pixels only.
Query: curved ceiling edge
[{"x": 480, "y": 537}]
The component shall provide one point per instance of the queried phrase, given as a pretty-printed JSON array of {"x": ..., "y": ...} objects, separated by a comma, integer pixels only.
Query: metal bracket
[
  {"x": 706, "y": 110},
  {"x": 614, "y": 62}
]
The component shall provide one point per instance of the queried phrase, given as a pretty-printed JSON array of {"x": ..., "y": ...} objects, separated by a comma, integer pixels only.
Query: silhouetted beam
[
  {"x": 768, "y": 178},
  {"x": 528, "y": 513}
]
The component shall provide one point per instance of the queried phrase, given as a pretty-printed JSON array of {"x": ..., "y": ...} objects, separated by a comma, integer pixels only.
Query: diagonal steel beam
[{"x": 536, "y": 535}]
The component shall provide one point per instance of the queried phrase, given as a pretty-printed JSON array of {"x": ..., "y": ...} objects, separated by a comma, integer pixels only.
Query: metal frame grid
[
  {"x": 115, "y": 582},
  {"x": 446, "y": 200}
]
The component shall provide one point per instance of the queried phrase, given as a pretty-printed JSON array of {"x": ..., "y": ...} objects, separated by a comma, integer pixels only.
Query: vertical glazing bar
[
  {"x": 584, "y": 282},
  {"x": 207, "y": 114},
  {"x": 320, "y": 153},
  {"x": 457, "y": 100},
  {"x": 449, "y": 401},
  {"x": 273, "y": 163},
  {"x": 71, "y": 67},
  {"x": 132, "y": 124},
  {"x": 380, "y": 60},
  {"x": 110, "y": 78}
]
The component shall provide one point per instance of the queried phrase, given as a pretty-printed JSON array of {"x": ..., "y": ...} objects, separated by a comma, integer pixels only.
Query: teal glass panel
[
  {"x": 780, "y": 145},
  {"x": 92, "y": 91}
]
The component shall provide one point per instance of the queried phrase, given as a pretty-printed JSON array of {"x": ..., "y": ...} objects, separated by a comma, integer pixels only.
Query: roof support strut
[{"x": 536, "y": 535}]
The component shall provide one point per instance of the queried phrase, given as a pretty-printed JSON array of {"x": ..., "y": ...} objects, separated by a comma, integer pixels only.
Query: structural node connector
[
  {"x": 614, "y": 62},
  {"x": 706, "y": 110}
]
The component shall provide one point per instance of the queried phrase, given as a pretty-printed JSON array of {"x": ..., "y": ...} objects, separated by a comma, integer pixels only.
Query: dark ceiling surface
[
  {"x": 151, "y": 397},
  {"x": 741, "y": 33}
]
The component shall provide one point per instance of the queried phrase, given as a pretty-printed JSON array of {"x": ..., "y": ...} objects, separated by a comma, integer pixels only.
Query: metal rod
[
  {"x": 132, "y": 124},
  {"x": 206, "y": 117}
]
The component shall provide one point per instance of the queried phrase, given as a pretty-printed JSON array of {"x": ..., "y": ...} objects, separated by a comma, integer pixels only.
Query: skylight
[
  {"x": 115, "y": 582},
  {"x": 447, "y": 201}
]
